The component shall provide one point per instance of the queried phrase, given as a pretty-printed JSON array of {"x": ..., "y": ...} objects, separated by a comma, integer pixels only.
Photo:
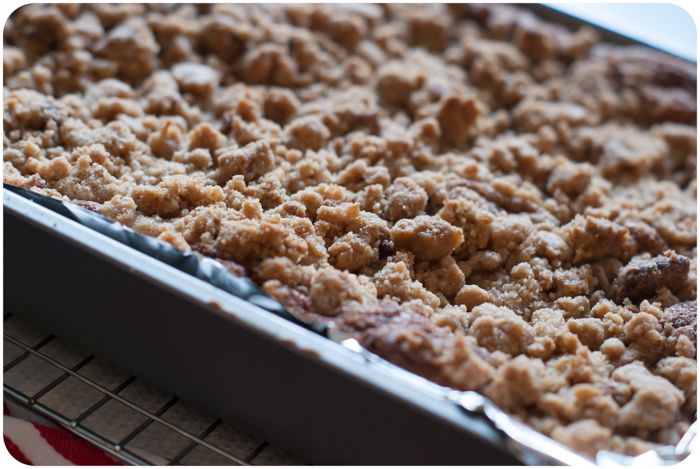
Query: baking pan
[
  {"x": 323, "y": 401},
  {"x": 275, "y": 379},
  {"x": 326, "y": 401}
]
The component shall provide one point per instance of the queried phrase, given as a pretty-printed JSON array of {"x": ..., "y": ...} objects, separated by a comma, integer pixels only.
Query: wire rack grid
[{"x": 115, "y": 411}]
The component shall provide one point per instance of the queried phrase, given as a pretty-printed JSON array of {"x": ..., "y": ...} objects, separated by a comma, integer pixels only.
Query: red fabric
[
  {"x": 15, "y": 452},
  {"x": 73, "y": 448},
  {"x": 60, "y": 441}
]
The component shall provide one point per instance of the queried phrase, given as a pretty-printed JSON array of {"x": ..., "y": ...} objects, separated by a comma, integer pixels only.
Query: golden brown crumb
[
  {"x": 331, "y": 290},
  {"x": 472, "y": 295},
  {"x": 251, "y": 161},
  {"x": 428, "y": 238}
]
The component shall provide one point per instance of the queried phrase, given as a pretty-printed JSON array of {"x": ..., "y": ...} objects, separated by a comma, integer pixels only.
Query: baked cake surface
[{"x": 494, "y": 202}]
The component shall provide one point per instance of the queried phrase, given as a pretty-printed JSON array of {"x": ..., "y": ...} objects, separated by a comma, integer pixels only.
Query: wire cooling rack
[{"x": 115, "y": 411}]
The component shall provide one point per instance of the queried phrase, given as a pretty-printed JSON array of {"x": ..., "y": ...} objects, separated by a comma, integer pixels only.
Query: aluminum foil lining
[{"x": 527, "y": 444}]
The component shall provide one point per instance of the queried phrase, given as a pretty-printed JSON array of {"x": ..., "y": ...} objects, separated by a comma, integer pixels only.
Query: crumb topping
[{"x": 492, "y": 201}]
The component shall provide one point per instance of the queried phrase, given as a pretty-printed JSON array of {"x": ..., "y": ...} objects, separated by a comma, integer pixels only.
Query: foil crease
[{"x": 528, "y": 445}]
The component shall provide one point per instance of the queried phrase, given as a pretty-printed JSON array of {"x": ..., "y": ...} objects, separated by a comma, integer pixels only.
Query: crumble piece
[
  {"x": 200, "y": 80},
  {"x": 404, "y": 199},
  {"x": 654, "y": 403},
  {"x": 498, "y": 328},
  {"x": 307, "y": 133},
  {"x": 250, "y": 161},
  {"x": 428, "y": 238}
]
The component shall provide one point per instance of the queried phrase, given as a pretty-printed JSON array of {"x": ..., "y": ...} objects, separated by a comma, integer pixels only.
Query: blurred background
[{"x": 664, "y": 25}]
